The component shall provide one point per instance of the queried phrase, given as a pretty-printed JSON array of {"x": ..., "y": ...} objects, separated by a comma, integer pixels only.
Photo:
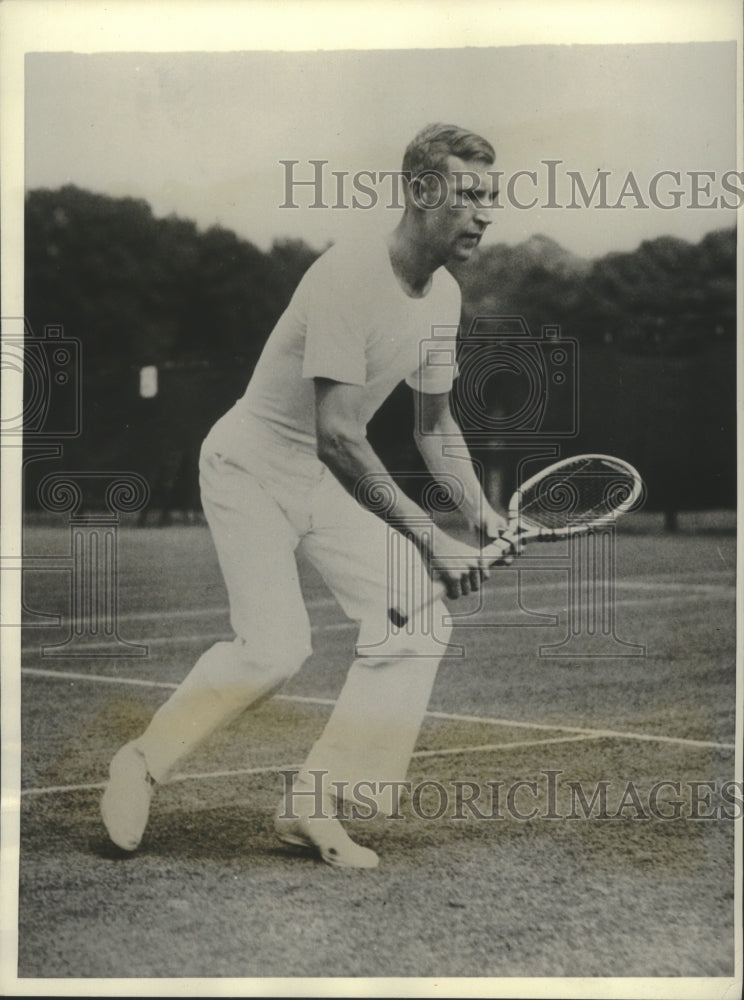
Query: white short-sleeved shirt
[{"x": 349, "y": 320}]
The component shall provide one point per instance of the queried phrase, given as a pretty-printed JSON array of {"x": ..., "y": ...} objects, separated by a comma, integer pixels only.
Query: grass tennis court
[{"x": 473, "y": 892}]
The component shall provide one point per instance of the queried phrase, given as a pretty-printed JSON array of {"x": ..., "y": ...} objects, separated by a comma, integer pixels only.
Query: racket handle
[
  {"x": 494, "y": 552},
  {"x": 399, "y": 618}
]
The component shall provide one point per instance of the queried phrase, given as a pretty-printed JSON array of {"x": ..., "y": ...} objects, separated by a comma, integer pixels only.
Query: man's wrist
[
  {"x": 490, "y": 524},
  {"x": 422, "y": 536},
  {"x": 414, "y": 523}
]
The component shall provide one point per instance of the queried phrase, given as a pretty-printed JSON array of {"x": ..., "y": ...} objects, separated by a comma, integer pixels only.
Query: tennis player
[{"x": 290, "y": 468}]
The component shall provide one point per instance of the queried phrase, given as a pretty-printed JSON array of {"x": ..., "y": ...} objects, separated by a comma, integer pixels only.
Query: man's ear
[{"x": 429, "y": 190}]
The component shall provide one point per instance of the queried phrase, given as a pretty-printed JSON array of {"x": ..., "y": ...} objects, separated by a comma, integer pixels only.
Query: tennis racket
[{"x": 570, "y": 497}]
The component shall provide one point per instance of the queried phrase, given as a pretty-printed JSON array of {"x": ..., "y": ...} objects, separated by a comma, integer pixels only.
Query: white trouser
[{"x": 259, "y": 518}]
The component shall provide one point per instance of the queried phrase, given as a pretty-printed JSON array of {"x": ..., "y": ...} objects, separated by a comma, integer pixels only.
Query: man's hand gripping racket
[{"x": 571, "y": 497}]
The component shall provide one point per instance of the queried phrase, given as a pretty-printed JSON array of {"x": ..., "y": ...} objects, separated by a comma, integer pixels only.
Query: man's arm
[
  {"x": 344, "y": 448},
  {"x": 434, "y": 429}
]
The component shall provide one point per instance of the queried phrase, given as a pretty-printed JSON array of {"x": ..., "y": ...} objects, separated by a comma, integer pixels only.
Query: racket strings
[{"x": 588, "y": 490}]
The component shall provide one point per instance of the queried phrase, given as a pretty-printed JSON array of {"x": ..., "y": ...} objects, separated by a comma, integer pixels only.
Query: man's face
[{"x": 457, "y": 207}]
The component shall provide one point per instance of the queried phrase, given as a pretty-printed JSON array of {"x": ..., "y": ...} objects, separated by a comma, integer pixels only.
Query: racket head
[{"x": 573, "y": 496}]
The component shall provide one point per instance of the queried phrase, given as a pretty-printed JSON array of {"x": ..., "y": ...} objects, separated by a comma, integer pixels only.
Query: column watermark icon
[{"x": 93, "y": 559}]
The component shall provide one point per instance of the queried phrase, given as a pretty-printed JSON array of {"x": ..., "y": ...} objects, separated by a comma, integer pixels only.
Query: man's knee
[{"x": 278, "y": 661}]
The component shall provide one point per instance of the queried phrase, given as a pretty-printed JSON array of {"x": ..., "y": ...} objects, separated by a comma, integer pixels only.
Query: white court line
[
  {"x": 276, "y": 769},
  {"x": 184, "y": 640},
  {"x": 687, "y": 591},
  {"x": 702, "y": 588},
  {"x": 70, "y": 675},
  {"x": 639, "y": 602},
  {"x": 181, "y": 614},
  {"x": 145, "y": 682},
  {"x": 685, "y": 595},
  {"x": 57, "y": 789},
  {"x": 445, "y": 716},
  {"x": 221, "y": 609},
  {"x": 273, "y": 769},
  {"x": 487, "y": 747},
  {"x": 594, "y": 733}
]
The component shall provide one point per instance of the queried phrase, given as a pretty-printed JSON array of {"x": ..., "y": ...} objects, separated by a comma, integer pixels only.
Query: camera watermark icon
[
  {"x": 514, "y": 384},
  {"x": 48, "y": 385}
]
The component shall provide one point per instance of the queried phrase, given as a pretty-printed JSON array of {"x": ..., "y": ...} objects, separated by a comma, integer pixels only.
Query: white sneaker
[
  {"x": 125, "y": 805},
  {"x": 324, "y": 835}
]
